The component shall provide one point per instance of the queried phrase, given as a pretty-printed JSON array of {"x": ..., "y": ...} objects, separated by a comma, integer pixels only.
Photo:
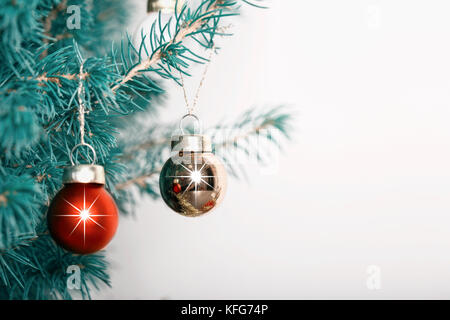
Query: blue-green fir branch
[
  {"x": 20, "y": 206},
  {"x": 39, "y": 76},
  {"x": 145, "y": 158},
  {"x": 254, "y": 137},
  {"x": 164, "y": 51},
  {"x": 37, "y": 269}
]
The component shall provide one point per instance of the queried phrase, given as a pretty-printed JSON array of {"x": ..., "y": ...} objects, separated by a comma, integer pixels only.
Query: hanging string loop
[{"x": 81, "y": 117}]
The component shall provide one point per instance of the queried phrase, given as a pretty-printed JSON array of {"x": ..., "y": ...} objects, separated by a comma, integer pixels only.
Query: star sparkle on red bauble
[{"x": 83, "y": 217}]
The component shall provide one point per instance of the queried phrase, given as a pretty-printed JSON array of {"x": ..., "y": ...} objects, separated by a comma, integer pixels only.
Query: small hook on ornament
[
  {"x": 94, "y": 160},
  {"x": 197, "y": 120}
]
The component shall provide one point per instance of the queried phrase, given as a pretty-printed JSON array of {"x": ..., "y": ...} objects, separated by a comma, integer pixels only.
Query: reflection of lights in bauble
[{"x": 193, "y": 180}]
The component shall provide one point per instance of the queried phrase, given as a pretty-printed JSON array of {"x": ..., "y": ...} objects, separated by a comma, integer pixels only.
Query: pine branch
[
  {"x": 254, "y": 136},
  {"x": 146, "y": 145},
  {"x": 187, "y": 28},
  {"x": 20, "y": 205},
  {"x": 243, "y": 136},
  {"x": 48, "y": 23},
  {"x": 140, "y": 181},
  {"x": 37, "y": 271},
  {"x": 53, "y": 14},
  {"x": 250, "y": 124},
  {"x": 39, "y": 121},
  {"x": 24, "y": 242},
  {"x": 57, "y": 78}
]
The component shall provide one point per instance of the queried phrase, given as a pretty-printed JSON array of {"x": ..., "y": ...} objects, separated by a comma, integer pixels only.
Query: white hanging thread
[
  {"x": 81, "y": 104},
  {"x": 190, "y": 108},
  {"x": 82, "y": 111}
]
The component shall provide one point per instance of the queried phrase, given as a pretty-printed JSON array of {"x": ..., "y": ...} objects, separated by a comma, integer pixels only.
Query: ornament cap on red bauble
[
  {"x": 84, "y": 173},
  {"x": 83, "y": 217}
]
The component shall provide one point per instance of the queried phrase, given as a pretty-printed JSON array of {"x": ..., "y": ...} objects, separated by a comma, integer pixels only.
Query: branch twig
[
  {"x": 74, "y": 76},
  {"x": 141, "y": 179},
  {"x": 138, "y": 180},
  {"x": 245, "y": 135},
  {"x": 156, "y": 56},
  {"x": 24, "y": 242},
  {"x": 48, "y": 22}
]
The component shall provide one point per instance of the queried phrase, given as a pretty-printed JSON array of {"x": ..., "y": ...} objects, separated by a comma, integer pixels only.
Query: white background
[{"x": 366, "y": 180}]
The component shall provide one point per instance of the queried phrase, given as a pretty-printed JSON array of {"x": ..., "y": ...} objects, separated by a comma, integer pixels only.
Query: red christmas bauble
[{"x": 83, "y": 217}]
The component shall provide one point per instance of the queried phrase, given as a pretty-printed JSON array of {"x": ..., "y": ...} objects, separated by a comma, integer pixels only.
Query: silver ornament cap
[
  {"x": 191, "y": 143},
  {"x": 165, "y": 6},
  {"x": 84, "y": 173}
]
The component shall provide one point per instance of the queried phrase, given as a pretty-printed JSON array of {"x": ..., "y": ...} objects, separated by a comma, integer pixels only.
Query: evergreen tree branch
[
  {"x": 251, "y": 123},
  {"x": 37, "y": 270},
  {"x": 53, "y": 14},
  {"x": 186, "y": 28},
  {"x": 39, "y": 122},
  {"x": 57, "y": 78},
  {"x": 140, "y": 180}
]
